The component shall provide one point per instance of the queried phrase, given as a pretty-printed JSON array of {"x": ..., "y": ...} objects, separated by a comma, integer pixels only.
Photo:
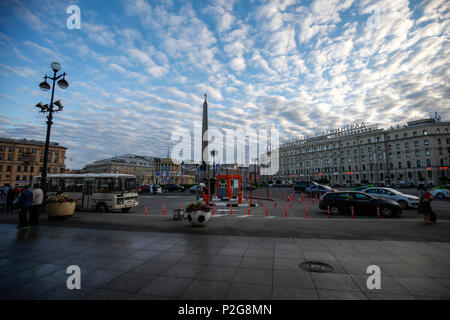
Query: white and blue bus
[{"x": 100, "y": 192}]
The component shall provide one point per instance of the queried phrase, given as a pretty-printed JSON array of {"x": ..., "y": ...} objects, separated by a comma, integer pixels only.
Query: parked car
[
  {"x": 193, "y": 189},
  {"x": 441, "y": 192},
  {"x": 158, "y": 188},
  {"x": 300, "y": 186},
  {"x": 250, "y": 187},
  {"x": 444, "y": 187},
  {"x": 144, "y": 188},
  {"x": 318, "y": 189},
  {"x": 363, "y": 203},
  {"x": 361, "y": 188},
  {"x": 173, "y": 187},
  {"x": 404, "y": 200}
]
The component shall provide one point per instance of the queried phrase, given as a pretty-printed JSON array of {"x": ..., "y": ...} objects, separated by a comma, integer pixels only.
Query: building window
[
  {"x": 390, "y": 155},
  {"x": 417, "y": 153},
  {"x": 425, "y": 132},
  {"x": 397, "y": 146},
  {"x": 405, "y": 135},
  {"x": 427, "y": 151},
  {"x": 425, "y": 142},
  {"x": 396, "y": 137},
  {"x": 438, "y": 131},
  {"x": 399, "y": 155},
  {"x": 19, "y": 168},
  {"x": 406, "y": 144},
  {"x": 408, "y": 154},
  {"x": 408, "y": 164},
  {"x": 400, "y": 165},
  {"x": 418, "y": 163},
  {"x": 428, "y": 162}
]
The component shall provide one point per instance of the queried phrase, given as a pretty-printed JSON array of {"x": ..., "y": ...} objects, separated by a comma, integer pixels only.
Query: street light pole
[{"x": 63, "y": 84}]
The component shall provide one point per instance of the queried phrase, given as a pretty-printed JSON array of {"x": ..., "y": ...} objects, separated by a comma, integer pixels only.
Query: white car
[
  {"x": 404, "y": 200},
  {"x": 158, "y": 189},
  {"x": 440, "y": 193}
]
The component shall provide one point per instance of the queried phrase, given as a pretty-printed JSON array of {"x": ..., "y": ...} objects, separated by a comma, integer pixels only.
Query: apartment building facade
[
  {"x": 22, "y": 159},
  {"x": 416, "y": 152}
]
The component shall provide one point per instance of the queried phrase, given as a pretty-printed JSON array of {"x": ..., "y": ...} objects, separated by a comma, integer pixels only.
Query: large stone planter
[
  {"x": 63, "y": 209},
  {"x": 198, "y": 218}
]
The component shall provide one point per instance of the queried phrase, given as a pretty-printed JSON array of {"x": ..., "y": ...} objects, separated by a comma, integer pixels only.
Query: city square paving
[
  {"x": 151, "y": 265},
  {"x": 236, "y": 256}
]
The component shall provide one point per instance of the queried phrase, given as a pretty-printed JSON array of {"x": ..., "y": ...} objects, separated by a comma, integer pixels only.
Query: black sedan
[
  {"x": 363, "y": 203},
  {"x": 173, "y": 187}
]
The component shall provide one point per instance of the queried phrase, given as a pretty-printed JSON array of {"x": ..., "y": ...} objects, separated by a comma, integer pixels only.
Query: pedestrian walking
[
  {"x": 10, "y": 197},
  {"x": 425, "y": 199},
  {"x": 38, "y": 198},
  {"x": 25, "y": 201}
]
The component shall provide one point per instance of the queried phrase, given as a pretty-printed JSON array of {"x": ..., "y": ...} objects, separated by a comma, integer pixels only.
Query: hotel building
[{"x": 416, "y": 152}]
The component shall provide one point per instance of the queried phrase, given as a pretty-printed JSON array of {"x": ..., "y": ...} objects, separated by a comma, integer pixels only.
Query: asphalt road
[
  {"x": 283, "y": 221},
  {"x": 155, "y": 205}
]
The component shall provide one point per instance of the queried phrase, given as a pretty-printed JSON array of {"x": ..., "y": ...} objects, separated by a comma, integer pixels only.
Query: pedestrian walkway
[{"x": 149, "y": 265}]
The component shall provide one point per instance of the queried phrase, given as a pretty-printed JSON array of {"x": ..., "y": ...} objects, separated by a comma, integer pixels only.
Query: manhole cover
[{"x": 313, "y": 266}]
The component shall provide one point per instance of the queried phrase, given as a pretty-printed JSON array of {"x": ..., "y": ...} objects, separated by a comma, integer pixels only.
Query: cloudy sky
[{"x": 138, "y": 69}]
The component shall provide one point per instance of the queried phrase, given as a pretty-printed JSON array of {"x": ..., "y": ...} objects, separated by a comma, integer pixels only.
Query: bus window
[
  {"x": 54, "y": 183},
  {"x": 131, "y": 185},
  {"x": 119, "y": 185},
  {"x": 69, "y": 185},
  {"x": 79, "y": 185},
  {"x": 104, "y": 185}
]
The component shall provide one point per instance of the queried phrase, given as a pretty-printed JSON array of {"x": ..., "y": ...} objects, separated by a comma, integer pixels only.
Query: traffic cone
[
  {"x": 145, "y": 209},
  {"x": 275, "y": 203},
  {"x": 164, "y": 209},
  {"x": 231, "y": 209},
  {"x": 214, "y": 208},
  {"x": 285, "y": 210},
  {"x": 267, "y": 211},
  {"x": 290, "y": 203},
  {"x": 306, "y": 208},
  {"x": 249, "y": 209},
  {"x": 353, "y": 213}
]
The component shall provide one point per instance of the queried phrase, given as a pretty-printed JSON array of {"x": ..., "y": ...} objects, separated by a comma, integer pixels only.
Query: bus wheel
[
  {"x": 125, "y": 209},
  {"x": 101, "y": 207}
]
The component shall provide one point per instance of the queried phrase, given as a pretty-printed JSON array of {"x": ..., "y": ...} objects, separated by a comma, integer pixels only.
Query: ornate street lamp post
[{"x": 63, "y": 84}]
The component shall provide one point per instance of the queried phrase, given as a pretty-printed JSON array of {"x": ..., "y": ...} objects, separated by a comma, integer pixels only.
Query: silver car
[{"x": 404, "y": 200}]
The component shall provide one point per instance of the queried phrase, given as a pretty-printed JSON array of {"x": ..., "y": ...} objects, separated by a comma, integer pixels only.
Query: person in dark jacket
[
  {"x": 425, "y": 199},
  {"x": 25, "y": 202},
  {"x": 10, "y": 197}
]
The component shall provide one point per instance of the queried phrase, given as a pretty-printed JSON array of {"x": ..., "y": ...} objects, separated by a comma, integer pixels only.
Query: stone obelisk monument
[{"x": 203, "y": 175}]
